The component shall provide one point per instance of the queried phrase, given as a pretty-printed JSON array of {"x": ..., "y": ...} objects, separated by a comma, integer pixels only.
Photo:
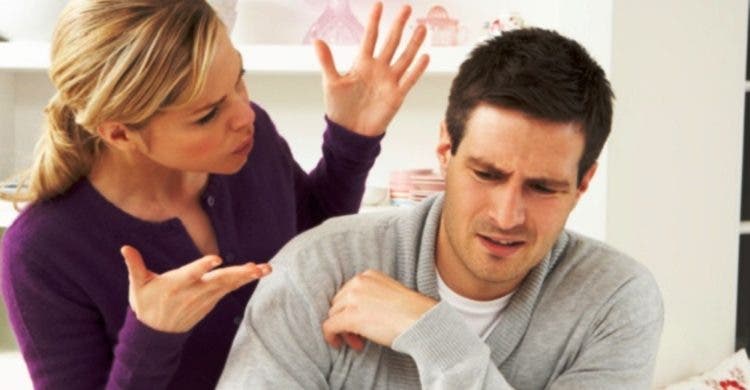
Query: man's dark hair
[{"x": 540, "y": 73}]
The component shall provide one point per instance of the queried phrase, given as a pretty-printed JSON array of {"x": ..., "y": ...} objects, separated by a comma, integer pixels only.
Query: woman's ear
[{"x": 117, "y": 135}]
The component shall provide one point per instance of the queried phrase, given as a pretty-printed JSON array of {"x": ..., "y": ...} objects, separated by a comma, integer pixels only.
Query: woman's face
[{"x": 214, "y": 134}]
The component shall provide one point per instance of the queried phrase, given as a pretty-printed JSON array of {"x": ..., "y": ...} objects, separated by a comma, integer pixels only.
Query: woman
[{"x": 151, "y": 143}]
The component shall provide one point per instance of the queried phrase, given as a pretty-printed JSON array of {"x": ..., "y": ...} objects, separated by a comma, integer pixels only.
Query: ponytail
[
  {"x": 63, "y": 155},
  {"x": 114, "y": 60}
]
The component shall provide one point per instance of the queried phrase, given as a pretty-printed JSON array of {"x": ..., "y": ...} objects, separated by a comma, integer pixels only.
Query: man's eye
[
  {"x": 542, "y": 189},
  {"x": 486, "y": 175},
  {"x": 211, "y": 114}
]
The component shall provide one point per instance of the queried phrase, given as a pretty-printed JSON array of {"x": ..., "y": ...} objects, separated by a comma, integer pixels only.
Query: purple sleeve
[
  {"x": 336, "y": 185},
  {"x": 61, "y": 332},
  {"x": 144, "y": 358}
]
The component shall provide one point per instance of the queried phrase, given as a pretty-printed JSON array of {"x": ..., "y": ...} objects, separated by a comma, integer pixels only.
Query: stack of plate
[{"x": 410, "y": 186}]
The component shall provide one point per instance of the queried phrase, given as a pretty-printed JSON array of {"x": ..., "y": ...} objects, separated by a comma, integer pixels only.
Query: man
[{"x": 480, "y": 287}]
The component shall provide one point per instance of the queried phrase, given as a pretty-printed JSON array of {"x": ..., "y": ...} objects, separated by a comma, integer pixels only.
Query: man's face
[{"x": 509, "y": 190}]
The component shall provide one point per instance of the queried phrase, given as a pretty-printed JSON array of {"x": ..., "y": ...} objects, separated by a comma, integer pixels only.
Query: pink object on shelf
[
  {"x": 413, "y": 185},
  {"x": 337, "y": 25},
  {"x": 444, "y": 30},
  {"x": 504, "y": 22}
]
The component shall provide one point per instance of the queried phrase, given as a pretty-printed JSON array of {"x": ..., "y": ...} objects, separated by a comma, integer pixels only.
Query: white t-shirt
[{"x": 481, "y": 316}]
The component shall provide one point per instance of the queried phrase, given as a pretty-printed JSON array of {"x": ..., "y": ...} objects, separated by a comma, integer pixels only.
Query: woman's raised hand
[
  {"x": 366, "y": 98},
  {"x": 176, "y": 300}
]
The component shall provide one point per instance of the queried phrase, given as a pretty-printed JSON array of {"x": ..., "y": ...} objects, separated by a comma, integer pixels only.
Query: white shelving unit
[
  {"x": 30, "y": 61},
  {"x": 268, "y": 59},
  {"x": 24, "y": 56}
]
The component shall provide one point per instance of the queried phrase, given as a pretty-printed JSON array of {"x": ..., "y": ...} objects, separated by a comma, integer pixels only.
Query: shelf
[
  {"x": 24, "y": 56},
  {"x": 34, "y": 56}
]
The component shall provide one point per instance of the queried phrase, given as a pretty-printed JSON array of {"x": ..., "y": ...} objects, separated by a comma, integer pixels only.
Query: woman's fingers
[
  {"x": 176, "y": 300},
  {"x": 231, "y": 278},
  {"x": 407, "y": 57},
  {"x": 326, "y": 60},
  {"x": 371, "y": 31},
  {"x": 192, "y": 272},
  {"x": 411, "y": 78},
  {"x": 394, "y": 36},
  {"x": 138, "y": 274}
]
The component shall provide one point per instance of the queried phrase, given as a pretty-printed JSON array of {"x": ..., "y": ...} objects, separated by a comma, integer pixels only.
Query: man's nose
[{"x": 508, "y": 207}]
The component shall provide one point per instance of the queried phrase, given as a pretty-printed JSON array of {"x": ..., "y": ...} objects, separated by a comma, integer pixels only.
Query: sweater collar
[{"x": 517, "y": 315}]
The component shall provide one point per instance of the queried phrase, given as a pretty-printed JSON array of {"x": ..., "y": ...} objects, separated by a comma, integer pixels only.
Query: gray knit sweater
[{"x": 587, "y": 317}]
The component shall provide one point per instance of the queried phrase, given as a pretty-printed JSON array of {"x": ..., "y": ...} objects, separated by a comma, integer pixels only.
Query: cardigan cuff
[
  {"x": 350, "y": 145},
  {"x": 143, "y": 349}
]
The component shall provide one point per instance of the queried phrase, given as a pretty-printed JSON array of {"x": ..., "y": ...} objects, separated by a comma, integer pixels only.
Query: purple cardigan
[{"x": 66, "y": 287}]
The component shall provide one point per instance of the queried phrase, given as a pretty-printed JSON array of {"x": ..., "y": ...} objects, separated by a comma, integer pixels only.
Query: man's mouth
[
  {"x": 501, "y": 247},
  {"x": 504, "y": 242}
]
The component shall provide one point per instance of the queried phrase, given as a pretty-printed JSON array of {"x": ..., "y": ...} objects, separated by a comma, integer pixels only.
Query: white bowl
[{"x": 375, "y": 196}]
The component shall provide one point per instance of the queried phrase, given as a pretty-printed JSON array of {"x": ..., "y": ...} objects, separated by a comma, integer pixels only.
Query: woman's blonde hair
[{"x": 115, "y": 60}]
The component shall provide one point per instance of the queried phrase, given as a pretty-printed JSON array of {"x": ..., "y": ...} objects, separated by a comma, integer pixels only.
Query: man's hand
[
  {"x": 374, "y": 306},
  {"x": 176, "y": 300},
  {"x": 366, "y": 99}
]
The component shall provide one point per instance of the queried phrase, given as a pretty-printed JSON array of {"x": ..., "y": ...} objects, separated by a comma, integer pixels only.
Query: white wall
[
  {"x": 295, "y": 101},
  {"x": 674, "y": 165},
  {"x": 7, "y": 136}
]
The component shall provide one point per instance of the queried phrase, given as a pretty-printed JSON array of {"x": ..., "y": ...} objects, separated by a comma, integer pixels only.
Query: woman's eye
[
  {"x": 211, "y": 114},
  {"x": 240, "y": 81}
]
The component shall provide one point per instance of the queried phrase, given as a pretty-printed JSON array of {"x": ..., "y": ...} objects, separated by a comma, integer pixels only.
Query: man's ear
[
  {"x": 444, "y": 148},
  {"x": 117, "y": 135},
  {"x": 586, "y": 180}
]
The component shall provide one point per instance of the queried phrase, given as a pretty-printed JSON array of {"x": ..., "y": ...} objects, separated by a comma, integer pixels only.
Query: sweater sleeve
[
  {"x": 448, "y": 354},
  {"x": 336, "y": 185},
  {"x": 279, "y": 343},
  {"x": 620, "y": 354},
  {"x": 62, "y": 335}
]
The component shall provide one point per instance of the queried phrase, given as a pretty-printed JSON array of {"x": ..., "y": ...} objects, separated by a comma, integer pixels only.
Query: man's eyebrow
[
  {"x": 239, "y": 76},
  {"x": 483, "y": 163},
  {"x": 554, "y": 183},
  {"x": 478, "y": 162}
]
